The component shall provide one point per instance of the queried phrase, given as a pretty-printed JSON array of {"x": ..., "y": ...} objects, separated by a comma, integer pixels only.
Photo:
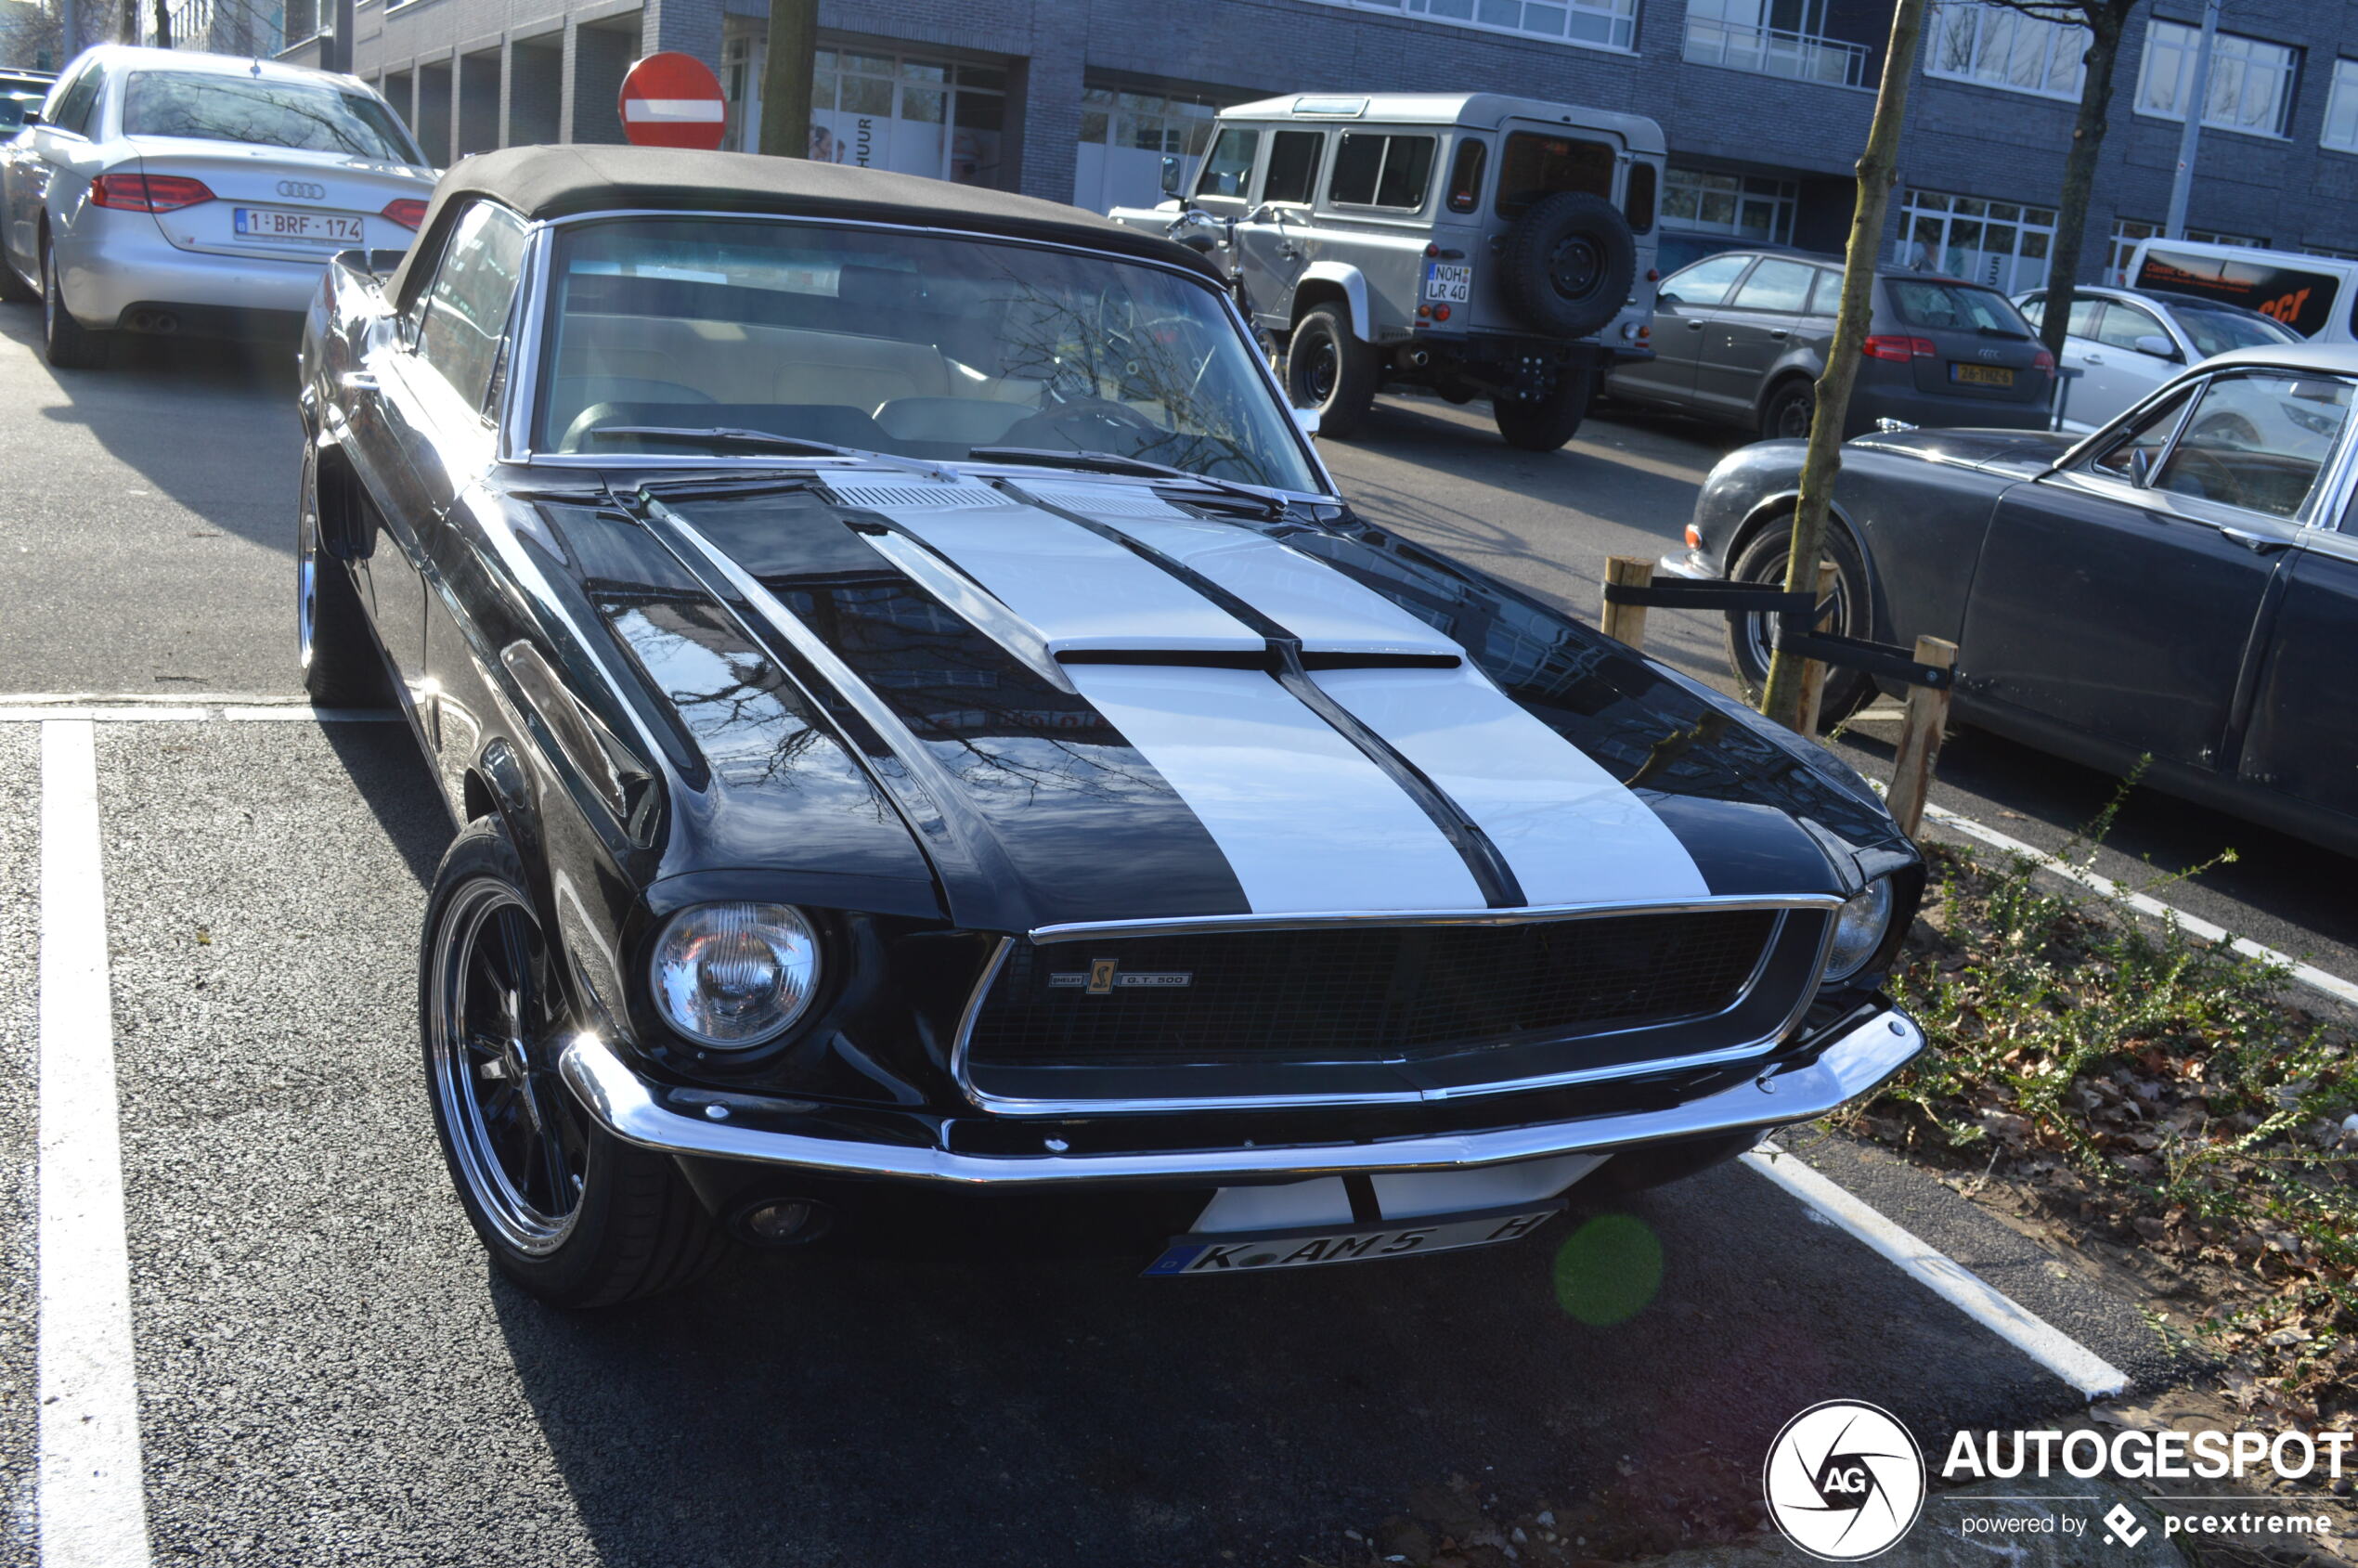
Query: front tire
[
  {"x": 570, "y": 1213},
  {"x": 1329, "y": 370},
  {"x": 1763, "y": 561},
  {"x": 1546, "y": 424},
  {"x": 1786, "y": 415},
  {"x": 68, "y": 345},
  {"x": 340, "y": 666}
]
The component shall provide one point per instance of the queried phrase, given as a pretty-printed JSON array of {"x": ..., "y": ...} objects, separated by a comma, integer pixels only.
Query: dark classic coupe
[
  {"x": 929, "y": 736},
  {"x": 2181, "y": 585}
]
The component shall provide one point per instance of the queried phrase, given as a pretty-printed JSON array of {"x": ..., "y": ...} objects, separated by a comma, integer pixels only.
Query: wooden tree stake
[
  {"x": 1920, "y": 739},
  {"x": 1627, "y": 622},
  {"x": 1813, "y": 671}
]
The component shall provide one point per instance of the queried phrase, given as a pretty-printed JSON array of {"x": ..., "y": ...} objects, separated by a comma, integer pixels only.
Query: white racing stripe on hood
[
  {"x": 1329, "y": 611},
  {"x": 1306, "y": 822},
  {"x": 1078, "y": 588},
  {"x": 1569, "y": 830}
]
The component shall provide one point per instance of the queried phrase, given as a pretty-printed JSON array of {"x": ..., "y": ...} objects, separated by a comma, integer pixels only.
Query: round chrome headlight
[
  {"x": 1859, "y": 927},
  {"x": 734, "y": 976}
]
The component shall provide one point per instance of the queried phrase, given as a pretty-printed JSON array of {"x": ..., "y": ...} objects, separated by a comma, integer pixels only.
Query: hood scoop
[{"x": 880, "y": 493}]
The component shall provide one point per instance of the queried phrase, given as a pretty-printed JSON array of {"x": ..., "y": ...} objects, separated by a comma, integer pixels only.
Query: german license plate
[
  {"x": 273, "y": 223},
  {"x": 1982, "y": 375},
  {"x": 1261, "y": 1251},
  {"x": 1444, "y": 281}
]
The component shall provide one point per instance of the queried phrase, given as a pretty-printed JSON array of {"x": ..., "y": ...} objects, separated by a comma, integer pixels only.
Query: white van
[{"x": 2316, "y": 296}]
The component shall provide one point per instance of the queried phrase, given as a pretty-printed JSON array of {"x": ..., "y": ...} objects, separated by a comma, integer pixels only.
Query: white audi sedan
[{"x": 162, "y": 191}]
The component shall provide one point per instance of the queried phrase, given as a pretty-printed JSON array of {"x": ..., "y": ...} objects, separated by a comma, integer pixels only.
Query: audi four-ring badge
[
  {"x": 927, "y": 738},
  {"x": 165, "y": 192}
]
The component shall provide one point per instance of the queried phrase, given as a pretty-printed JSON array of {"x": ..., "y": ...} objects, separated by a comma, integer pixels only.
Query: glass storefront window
[{"x": 2001, "y": 244}]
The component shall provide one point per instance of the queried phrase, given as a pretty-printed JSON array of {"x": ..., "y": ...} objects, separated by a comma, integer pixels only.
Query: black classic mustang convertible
[
  {"x": 926, "y": 732},
  {"x": 2181, "y": 585}
]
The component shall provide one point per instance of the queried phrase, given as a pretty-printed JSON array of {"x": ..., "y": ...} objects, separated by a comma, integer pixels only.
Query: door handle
[
  {"x": 1694, "y": 326},
  {"x": 1779, "y": 332},
  {"x": 2093, "y": 360},
  {"x": 1288, "y": 251},
  {"x": 2258, "y": 544}
]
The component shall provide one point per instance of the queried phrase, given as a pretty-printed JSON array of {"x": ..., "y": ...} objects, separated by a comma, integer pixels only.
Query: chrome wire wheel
[{"x": 517, "y": 1137}]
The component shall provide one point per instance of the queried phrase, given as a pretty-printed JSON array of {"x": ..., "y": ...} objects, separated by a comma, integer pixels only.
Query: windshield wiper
[
  {"x": 1114, "y": 463},
  {"x": 723, "y": 435},
  {"x": 768, "y": 440}
]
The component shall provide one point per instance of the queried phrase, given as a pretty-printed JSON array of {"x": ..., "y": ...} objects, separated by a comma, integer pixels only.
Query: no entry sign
[{"x": 672, "y": 99}]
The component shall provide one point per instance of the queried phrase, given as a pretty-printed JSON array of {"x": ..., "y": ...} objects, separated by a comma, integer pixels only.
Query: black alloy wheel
[
  {"x": 1542, "y": 424},
  {"x": 1762, "y": 560},
  {"x": 566, "y": 1210},
  {"x": 1329, "y": 370},
  {"x": 1786, "y": 415},
  {"x": 67, "y": 343}
]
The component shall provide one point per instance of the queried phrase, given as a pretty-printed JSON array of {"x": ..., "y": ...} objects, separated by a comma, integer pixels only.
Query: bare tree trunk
[
  {"x": 164, "y": 25},
  {"x": 785, "y": 78},
  {"x": 1877, "y": 167},
  {"x": 2079, "y": 175}
]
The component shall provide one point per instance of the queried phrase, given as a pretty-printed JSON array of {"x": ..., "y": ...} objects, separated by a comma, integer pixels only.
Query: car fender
[
  {"x": 1799, "y": 362},
  {"x": 1781, "y": 504},
  {"x": 1341, "y": 275}
]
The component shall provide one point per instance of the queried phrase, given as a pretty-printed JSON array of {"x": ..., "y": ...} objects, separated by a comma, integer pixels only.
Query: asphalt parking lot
[{"x": 324, "y": 1370}]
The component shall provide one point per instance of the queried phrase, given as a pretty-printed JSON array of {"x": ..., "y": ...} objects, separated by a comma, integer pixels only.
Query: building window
[
  {"x": 2341, "y": 108},
  {"x": 911, "y": 115},
  {"x": 1742, "y": 206},
  {"x": 1775, "y": 38},
  {"x": 1124, "y": 138},
  {"x": 1992, "y": 46},
  {"x": 2126, "y": 232},
  {"x": 2251, "y": 80},
  {"x": 2003, "y": 244},
  {"x": 1598, "y": 24}
]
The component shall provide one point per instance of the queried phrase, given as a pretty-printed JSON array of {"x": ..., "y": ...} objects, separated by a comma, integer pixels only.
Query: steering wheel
[
  {"x": 2218, "y": 481},
  {"x": 1084, "y": 424}
]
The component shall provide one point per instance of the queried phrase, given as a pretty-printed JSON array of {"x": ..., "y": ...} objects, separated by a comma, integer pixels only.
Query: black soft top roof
[{"x": 550, "y": 182}]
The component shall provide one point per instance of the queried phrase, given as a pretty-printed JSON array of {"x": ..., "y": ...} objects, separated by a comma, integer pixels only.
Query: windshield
[
  {"x": 2216, "y": 330},
  {"x": 924, "y": 345},
  {"x": 1959, "y": 306},
  {"x": 267, "y": 113}
]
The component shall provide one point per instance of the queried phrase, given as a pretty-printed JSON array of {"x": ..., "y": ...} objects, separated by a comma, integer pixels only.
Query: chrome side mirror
[
  {"x": 2158, "y": 346},
  {"x": 1171, "y": 176},
  {"x": 2140, "y": 467}
]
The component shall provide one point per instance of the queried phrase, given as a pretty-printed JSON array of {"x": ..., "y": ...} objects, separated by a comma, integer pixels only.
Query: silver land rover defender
[{"x": 1479, "y": 245}]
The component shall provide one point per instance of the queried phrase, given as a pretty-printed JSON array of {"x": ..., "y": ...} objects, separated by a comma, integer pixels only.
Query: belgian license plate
[
  {"x": 273, "y": 223},
  {"x": 1982, "y": 375},
  {"x": 1261, "y": 1251},
  {"x": 1451, "y": 283}
]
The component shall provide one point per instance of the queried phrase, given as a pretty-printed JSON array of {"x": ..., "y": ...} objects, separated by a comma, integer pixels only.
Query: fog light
[{"x": 784, "y": 1221}]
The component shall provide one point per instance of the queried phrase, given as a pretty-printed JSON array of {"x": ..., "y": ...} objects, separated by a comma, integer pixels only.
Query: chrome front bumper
[
  {"x": 1852, "y": 1066},
  {"x": 1692, "y": 564}
]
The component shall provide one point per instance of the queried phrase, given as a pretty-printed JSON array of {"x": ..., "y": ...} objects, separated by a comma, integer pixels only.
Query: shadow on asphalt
[
  {"x": 384, "y": 765},
  {"x": 916, "y": 1406},
  {"x": 245, "y": 385}
]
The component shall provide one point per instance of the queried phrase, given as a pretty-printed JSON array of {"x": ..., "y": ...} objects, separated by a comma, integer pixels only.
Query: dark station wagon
[{"x": 924, "y": 728}]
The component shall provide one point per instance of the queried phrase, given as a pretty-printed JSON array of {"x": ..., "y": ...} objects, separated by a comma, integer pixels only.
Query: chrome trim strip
[
  {"x": 1005, "y": 1104},
  {"x": 1850, "y": 1067},
  {"x": 1191, "y": 924}
]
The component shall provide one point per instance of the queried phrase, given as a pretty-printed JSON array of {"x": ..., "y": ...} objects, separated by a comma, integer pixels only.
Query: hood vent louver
[{"x": 882, "y": 495}]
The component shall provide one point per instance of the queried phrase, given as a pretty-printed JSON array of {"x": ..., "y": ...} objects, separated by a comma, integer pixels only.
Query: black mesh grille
[{"x": 1361, "y": 994}]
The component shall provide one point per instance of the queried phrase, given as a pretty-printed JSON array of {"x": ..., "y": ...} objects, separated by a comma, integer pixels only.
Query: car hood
[
  {"x": 1091, "y": 701},
  {"x": 2012, "y": 450}
]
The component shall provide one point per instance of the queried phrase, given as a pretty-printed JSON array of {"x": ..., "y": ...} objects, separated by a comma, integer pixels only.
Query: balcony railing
[{"x": 1774, "y": 52}]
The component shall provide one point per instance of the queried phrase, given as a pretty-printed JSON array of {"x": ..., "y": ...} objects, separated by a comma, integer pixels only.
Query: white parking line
[
  {"x": 40, "y": 708},
  {"x": 2193, "y": 924},
  {"x": 91, "y": 1506},
  {"x": 1944, "y": 1277}
]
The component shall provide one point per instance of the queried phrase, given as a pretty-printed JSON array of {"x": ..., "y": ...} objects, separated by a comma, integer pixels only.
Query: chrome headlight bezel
[
  {"x": 1861, "y": 930},
  {"x": 778, "y": 954}
]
